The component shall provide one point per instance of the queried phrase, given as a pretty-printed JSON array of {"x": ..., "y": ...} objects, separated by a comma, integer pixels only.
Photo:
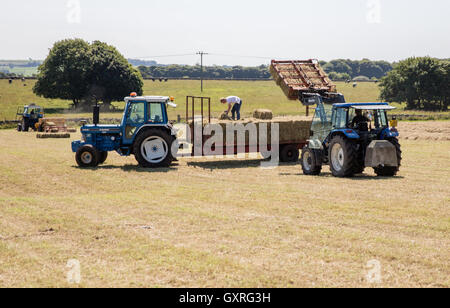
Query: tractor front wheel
[
  {"x": 310, "y": 165},
  {"x": 343, "y": 157},
  {"x": 87, "y": 156},
  {"x": 153, "y": 149}
]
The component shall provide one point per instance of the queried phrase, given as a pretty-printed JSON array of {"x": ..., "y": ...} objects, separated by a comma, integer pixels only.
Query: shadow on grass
[
  {"x": 233, "y": 164},
  {"x": 131, "y": 168},
  {"x": 357, "y": 177}
]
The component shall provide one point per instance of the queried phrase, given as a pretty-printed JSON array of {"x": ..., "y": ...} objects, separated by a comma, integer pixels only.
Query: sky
[{"x": 233, "y": 32}]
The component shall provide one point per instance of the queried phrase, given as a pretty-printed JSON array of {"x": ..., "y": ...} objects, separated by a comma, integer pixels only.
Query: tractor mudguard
[
  {"x": 76, "y": 145},
  {"x": 381, "y": 153}
]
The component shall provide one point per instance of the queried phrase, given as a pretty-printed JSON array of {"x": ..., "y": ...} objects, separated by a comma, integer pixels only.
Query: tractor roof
[
  {"x": 365, "y": 106},
  {"x": 32, "y": 105},
  {"x": 148, "y": 99}
]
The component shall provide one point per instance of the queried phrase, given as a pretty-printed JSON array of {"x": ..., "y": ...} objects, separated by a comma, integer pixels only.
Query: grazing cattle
[{"x": 355, "y": 85}]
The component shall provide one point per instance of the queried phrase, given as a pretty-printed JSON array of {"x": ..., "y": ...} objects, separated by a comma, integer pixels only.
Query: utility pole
[{"x": 201, "y": 53}]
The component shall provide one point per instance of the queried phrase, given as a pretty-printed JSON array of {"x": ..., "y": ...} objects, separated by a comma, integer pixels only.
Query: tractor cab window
[
  {"x": 340, "y": 117},
  {"x": 380, "y": 119},
  {"x": 155, "y": 113},
  {"x": 135, "y": 117},
  {"x": 136, "y": 113},
  {"x": 321, "y": 124}
]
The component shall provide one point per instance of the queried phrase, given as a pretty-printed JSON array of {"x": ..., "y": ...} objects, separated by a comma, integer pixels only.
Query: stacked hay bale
[
  {"x": 291, "y": 129},
  {"x": 225, "y": 116},
  {"x": 263, "y": 114}
]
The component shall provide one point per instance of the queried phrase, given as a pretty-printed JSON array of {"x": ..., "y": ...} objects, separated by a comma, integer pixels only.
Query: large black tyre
[
  {"x": 343, "y": 157},
  {"x": 391, "y": 171},
  {"x": 102, "y": 157},
  {"x": 87, "y": 156},
  {"x": 310, "y": 165},
  {"x": 289, "y": 153},
  {"x": 153, "y": 148},
  {"x": 25, "y": 126}
]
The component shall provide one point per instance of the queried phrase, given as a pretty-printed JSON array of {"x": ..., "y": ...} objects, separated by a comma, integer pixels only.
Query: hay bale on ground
[
  {"x": 53, "y": 136},
  {"x": 263, "y": 114}
]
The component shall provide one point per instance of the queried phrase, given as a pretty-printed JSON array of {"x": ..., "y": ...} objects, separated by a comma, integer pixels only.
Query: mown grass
[
  {"x": 255, "y": 94},
  {"x": 219, "y": 223}
]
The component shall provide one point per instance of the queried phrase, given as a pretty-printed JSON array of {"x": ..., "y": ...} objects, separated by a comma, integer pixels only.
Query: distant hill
[{"x": 137, "y": 62}]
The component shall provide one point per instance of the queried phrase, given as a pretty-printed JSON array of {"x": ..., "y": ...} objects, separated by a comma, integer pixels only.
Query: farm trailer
[{"x": 293, "y": 133}]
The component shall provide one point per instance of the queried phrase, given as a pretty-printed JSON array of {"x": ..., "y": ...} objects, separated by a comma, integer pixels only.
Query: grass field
[
  {"x": 255, "y": 94},
  {"x": 216, "y": 223}
]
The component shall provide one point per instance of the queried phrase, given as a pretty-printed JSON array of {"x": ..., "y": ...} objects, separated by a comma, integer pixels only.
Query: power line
[
  {"x": 166, "y": 56},
  {"x": 201, "y": 53},
  {"x": 239, "y": 56}
]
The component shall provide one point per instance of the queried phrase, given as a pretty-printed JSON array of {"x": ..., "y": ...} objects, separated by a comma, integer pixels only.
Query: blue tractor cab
[
  {"x": 145, "y": 132},
  {"x": 28, "y": 117},
  {"x": 350, "y": 137}
]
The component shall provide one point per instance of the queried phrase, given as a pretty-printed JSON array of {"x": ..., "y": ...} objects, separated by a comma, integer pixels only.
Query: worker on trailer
[
  {"x": 359, "y": 119},
  {"x": 234, "y": 104}
]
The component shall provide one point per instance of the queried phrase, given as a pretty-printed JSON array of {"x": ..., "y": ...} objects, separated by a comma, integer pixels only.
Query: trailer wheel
[
  {"x": 87, "y": 156},
  {"x": 102, "y": 157},
  {"x": 152, "y": 149},
  {"x": 391, "y": 171},
  {"x": 289, "y": 153},
  {"x": 310, "y": 165},
  {"x": 343, "y": 157}
]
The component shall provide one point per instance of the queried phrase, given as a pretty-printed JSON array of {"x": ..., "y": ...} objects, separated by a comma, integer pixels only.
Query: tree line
[{"x": 218, "y": 72}]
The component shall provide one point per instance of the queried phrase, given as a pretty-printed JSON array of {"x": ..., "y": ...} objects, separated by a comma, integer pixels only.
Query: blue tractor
[
  {"x": 350, "y": 137},
  {"x": 144, "y": 132},
  {"x": 28, "y": 117}
]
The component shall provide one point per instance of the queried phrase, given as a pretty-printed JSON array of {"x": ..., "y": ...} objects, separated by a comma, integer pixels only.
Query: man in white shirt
[{"x": 234, "y": 104}]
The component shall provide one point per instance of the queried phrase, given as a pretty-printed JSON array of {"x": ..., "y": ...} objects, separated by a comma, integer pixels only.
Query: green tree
[
  {"x": 82, "y": 72},
  {"x": 420, "y": 82},
  {"x": 111, "y": 76},
  {"x": 65, "y": 72}
]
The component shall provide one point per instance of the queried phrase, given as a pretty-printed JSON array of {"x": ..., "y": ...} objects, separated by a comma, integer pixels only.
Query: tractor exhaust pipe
[{"x": 96, "y": 115}]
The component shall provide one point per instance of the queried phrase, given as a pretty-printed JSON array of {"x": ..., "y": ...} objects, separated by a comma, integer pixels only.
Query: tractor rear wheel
[
  {"x": 153, "y": 148},
  {"x": 87, "y": 156},
  {"x": 343, "y": 157},
  {"x": 310, "y": 165},
  {"x": 289, "y": 153},
  {"x": 391, "y": 171},
  {"x": 102, "y": 157}
]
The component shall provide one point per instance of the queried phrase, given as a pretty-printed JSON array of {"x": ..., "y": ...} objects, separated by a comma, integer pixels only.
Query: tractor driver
[{"x": 359, "y": 119}]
